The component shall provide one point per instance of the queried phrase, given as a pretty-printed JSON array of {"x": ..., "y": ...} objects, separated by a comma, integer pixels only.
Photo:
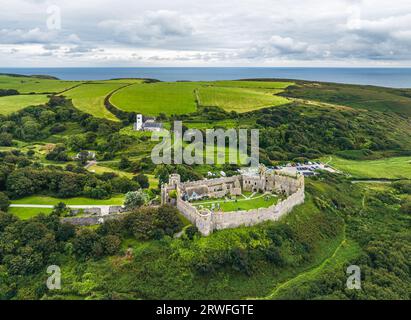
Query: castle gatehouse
[{"x": 183, "y": 195}]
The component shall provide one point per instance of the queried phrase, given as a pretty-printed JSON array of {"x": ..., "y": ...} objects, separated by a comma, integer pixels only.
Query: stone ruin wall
[
  {"x": 206, "y": 223},
  {"x": 235, "y": 219}
]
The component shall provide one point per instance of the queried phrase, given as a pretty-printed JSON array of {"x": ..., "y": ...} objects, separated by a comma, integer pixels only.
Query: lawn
[
  {"x": 101, "y": 169},
  {"x": 239, "y": 99},
  {"x": 155, "y": 98},
  {"x": 79, "y": 201},
  {"x": 12, "y": 104},
  {"x": 258, "y": 201},
  {"x": 389, "y": 168},
  {"x": 35, "y": 85},
  {"x": 90, "y": 97},
  {"x": 27, "y": 213}
]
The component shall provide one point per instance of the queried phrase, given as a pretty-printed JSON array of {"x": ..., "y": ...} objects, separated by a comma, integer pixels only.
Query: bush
[
  {"x": 142, "y": 180},
  {"x": 4, "y": 202},
  {"x": 134, "y": 200}
]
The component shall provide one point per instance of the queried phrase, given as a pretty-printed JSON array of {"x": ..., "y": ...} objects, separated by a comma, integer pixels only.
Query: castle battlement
[{"x": 179, "y": 194}]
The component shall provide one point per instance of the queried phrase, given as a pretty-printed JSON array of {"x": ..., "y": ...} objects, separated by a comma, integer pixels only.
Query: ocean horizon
[{"x": 385, "y": 77}]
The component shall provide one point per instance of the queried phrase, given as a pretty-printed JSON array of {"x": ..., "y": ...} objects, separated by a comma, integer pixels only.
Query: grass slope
[
  {"x": 388, "y": 168},
  {"x": 239, "y": 99},
  {"x": 355, "y": 96},
  {"x": 90, "y": 97},
  {"x": 79, "y": 201},
  {"x": 180, "y": 97},
  {"x": 12, "y": 104},
  {"x": 28, "y": 213},
  {"x": 154, "y": 98},
  {"x": 35, "y": 85}
]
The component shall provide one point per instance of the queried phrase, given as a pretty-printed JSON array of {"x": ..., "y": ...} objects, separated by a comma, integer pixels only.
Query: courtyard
[{"x": 246, "y": 201}]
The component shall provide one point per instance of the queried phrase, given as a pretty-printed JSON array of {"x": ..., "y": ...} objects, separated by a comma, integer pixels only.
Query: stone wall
[
  {"x": 206, "y": 221},
  {"x": 235, "y": 219},
  {"x": 90, "y": 220}
]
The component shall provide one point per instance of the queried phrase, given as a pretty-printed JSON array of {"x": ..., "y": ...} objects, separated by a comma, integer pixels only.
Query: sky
[{"x": 196, "y": 33}]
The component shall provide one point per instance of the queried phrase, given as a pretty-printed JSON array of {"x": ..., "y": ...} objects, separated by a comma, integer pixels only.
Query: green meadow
[
  {"x": 89, "y": 98},
  {"x": 12, "y": 104},
  {"x": 239, "y": 99},
  {"x": 78, "y": 201},
  {"x": 27, "y": 213},
  {"x": 387, "y": 168},
  {"x": 252, "y": 84},
  {"x": 35, "y": 85},
  {"x": 155, "y": 98},
  {"x": 180, "y": 97}
]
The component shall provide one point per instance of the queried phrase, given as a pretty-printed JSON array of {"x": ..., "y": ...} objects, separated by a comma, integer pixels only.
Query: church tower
[{"x": 139, "y": 122}]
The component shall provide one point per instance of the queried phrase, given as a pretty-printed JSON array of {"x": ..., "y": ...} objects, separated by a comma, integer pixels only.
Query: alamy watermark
[
  {"x": 210, "y": 147},
  {"x": 53, "y": 21},
  {"x": 54, "y": 281},
  {"x": 354, "y": 279}
]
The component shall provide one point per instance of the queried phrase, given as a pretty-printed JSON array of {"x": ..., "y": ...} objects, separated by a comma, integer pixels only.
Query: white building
[{"x": 148, "y": 125}]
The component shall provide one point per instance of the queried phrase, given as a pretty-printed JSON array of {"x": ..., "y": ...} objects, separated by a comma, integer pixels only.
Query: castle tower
[
  {"x": 139, "y": 122},
  {"x": 174, "y": 180}
]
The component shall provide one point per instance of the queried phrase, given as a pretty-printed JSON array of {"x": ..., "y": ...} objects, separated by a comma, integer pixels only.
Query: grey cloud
[{"x": 149, "y": 28}]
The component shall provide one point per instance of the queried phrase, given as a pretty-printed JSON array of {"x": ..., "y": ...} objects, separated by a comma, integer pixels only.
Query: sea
[{"x": 385, "y": 77}]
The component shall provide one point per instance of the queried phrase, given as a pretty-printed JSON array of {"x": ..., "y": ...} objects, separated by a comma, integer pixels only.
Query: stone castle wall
[{"x": 207, "y": 221}]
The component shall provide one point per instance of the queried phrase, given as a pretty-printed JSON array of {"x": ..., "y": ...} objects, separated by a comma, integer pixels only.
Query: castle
[{"x": 179, "y": 194}]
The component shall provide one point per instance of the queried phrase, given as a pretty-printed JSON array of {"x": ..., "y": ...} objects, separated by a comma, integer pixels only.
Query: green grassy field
[
  {"x": 27, "y": 213},
  {"x": 90, "y": 98},
  {"x": 255, "y": 202},
  {"x": 253, "y": 84},
  {"x": 180, "y": 97},
  {"x": 79, "y": 201},
  {"x": 36, "y": 85},
  {"x": 12, "y": 104},
  {"x": 239, "y": 99},
  {"x": 358, "y": 97},
  {"x": 152, "y": 99},
  {"x": 101, "y": 169},
  {"x": 389, "y": 168}
]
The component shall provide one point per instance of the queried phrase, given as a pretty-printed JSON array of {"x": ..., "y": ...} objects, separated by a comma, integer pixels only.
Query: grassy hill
[
  {"x": 89, "y": 98},
  {"x": 12, "y": 104},
  {"x": 154, "y": 98},
  {"x": 181, "y": 97},
  {"x": 387, "y": 168},
  {"x": 355, "y": 96},
  {"x": 35, "y": 85}
]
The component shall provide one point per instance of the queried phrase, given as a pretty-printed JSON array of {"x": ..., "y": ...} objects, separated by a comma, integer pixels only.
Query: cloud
[
  {"x": 149, "y": 29},
  {"x": 212, "y": 32}
]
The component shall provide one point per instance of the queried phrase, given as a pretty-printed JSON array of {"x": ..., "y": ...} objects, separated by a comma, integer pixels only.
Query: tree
[
  {"x": 142, "y": 181},
  {"x": 87, "y": 244},
  {"x": 6, "y": 139},
  {"x": 83, "y": 157},
  {"x": 135, "y": 199},
  {"x": 4, "y": 202},
  {"x": 61, "y": 209},
  {"x": 406, "y": 207},
  {"x": 124, "y": 163}
]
